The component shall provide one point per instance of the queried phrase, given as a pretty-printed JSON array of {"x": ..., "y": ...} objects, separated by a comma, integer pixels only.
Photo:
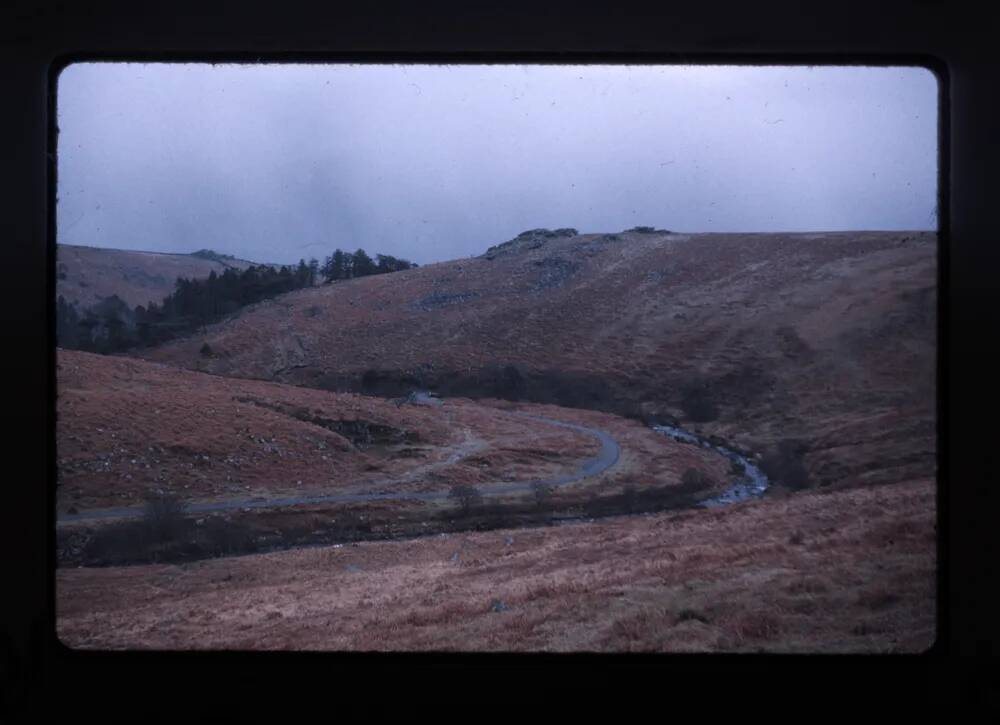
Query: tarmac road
[{"x": 605, "y": 459}]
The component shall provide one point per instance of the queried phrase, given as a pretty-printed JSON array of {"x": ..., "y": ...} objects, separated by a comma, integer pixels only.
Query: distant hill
[
  {"x": 824, "y": 340},
  {"x": 87, "y": 275}
]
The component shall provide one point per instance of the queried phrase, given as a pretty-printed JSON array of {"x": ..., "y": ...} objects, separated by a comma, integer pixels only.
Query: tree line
[
  {"x": 112, "y": 326},
  {"x": 344, "y": 265}
]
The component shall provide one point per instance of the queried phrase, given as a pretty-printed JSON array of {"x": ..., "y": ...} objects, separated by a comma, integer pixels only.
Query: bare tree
[
  {"x": 467, "y": 496},
  {"x": 542, "y": 492},
  {"x": 163, "y": 516},
  {"x": 695, "y": 480}
]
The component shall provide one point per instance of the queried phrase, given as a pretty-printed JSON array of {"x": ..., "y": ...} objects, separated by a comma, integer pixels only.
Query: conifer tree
[{"x": 363, "y": 264}]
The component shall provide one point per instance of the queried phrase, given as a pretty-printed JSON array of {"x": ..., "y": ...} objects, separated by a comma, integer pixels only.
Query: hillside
[
  {"x": 86, "y": 275},
  {"x": 825, "y": 339},
  {"x": 127, "y": 428},
  {"x": 848, "y": 571}
]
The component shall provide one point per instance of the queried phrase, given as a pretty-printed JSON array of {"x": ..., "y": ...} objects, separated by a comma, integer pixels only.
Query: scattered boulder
[
  {"x": 555, "y": 271},
  {"x": 528, "y": 240},
  {"x": 436, "y": 300}
]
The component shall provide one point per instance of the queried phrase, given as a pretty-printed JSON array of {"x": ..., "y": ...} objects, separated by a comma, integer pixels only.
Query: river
[{"x": 750, "y": 484}]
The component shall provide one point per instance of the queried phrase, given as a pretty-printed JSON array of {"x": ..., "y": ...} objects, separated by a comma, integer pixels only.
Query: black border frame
[
  {"x": 950, "y": 44},
  {"x": 930, "y": 63}
]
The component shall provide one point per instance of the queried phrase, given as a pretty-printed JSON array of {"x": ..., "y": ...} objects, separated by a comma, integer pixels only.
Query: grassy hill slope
[{"x": 826, "y": 339}]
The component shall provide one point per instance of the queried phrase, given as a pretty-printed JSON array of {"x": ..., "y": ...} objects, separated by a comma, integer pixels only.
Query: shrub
[
  {"x": 642, "y": 230},
  {"x": 496, "y": 516},
  {"x": 688, "y": 614},
  {"x": 694, "y": 480},
  {"x": 206, "y": 350},
  {"x": 634, "y": 410},
  {"x": 341, "y": 528},
  {"x": 784, "y": 465},
  {"x": 630, "y": 499},
  {"x": 350, "y": 526},
  {"x": 222, "y": 536},
  {"x": 163, "y": 517},
  {"x": 116, "y": 543},
  {"x": 159, "y": 531},
  {"x": 595, "y": 506},
  {"x": 510, "y": 383},
  {"x": 369, "y": 379},
  {"x": 697, "y": 403},
  {"x": 542, "y": 493},
  {"x": 466, "y": 496}
]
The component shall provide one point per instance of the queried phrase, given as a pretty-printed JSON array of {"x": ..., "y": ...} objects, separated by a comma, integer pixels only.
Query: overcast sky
[{"x": 277, "y": 162}]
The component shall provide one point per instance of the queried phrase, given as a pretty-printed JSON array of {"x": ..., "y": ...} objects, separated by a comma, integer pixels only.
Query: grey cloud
[{"x": 274, "y": 163}]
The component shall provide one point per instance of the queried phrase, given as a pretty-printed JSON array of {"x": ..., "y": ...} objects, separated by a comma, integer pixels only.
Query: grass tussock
[
  {"x": 687, "y": 614},
  {"x": 754, "y": 627}
]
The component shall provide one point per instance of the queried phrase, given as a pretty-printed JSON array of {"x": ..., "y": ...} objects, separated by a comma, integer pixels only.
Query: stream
[{"x": 752, "y": 483}]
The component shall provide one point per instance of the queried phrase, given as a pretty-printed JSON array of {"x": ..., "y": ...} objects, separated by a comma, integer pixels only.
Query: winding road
[
  {"x": 750, "y": 483},
  {"x": 605, "y": 459}
]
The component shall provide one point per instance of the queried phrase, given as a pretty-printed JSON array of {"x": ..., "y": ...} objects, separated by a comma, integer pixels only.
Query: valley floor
[{"x": 844, "y": 571}]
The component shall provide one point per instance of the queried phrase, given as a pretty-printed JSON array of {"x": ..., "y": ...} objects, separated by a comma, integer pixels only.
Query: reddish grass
[
  {"x": 840, "y": 329},
  {"x": 697, "y": 581},
  {"x": 129, "y": 427}
]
